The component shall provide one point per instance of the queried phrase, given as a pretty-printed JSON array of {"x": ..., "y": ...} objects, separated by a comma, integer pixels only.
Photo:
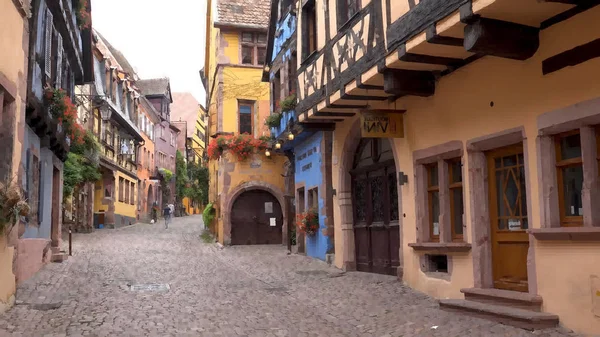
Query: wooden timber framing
[
  {"x": 324, "y": 77},
  {"x": 571, "y": 57}
]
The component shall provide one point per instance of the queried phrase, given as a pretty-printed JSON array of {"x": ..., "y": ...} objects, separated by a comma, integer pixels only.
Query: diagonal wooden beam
[
  {"x": 501, "y": 38},
  {"x": 571, "y": 57}
]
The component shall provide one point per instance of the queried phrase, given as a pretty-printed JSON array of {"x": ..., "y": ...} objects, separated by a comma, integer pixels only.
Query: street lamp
[
  {"x": 278, "y": 145},
  {"x": 105, "y": 111},
  {"x": 291, "y": 136},
  {"x": 268, "y": 153}
]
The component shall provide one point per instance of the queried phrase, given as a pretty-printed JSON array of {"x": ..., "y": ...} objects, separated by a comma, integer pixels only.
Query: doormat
[{"x": 149, "y": 287}]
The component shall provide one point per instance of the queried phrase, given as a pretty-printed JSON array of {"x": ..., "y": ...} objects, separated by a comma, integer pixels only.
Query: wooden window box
[
  {"x": 441, "y": 247},
  {"x": 566, "y": 234}
]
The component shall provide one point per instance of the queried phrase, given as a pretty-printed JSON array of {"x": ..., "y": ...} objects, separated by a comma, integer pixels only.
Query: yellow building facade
[
  {"x": 115, "y": 119},
  {"x": 14, "y": 41},
  {"x": 492, "y": 191},
  {"x": 239, "y": 104}
]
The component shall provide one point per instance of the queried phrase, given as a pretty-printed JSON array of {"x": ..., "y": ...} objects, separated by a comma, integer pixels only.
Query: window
[
  {"x": 436, "y": 263},
  {"x": 313, "y": 199},
  {"x": 132, "y": 196},
  {"x": 121, "y": 189},
  {"x": 433, "y": 192},
  {"x": 301, "y": 201},
  {"x": 443, "y": 200},
  {"x": 346, "y": 10},
  {"x": 254, "y": 48},
  {"x": 456, "y": 198},
  {"x": 309, "y": 29},
  {"x": 245, "y": 112},
  {"x": 126, "y": 199},
  {"x": 569, "y": 173},
  {"x": 292, "y": 75},
  {"x": 276, "y": 87}
]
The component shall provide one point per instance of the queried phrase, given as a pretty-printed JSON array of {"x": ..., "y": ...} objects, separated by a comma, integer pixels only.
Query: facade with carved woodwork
[
  {"x": 115, "y": 118},
  {"x": 248, "y": 195},
  {"x": 465, "y": 148}
]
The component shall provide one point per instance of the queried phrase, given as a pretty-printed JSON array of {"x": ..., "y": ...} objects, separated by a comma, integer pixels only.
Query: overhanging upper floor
[{"x": 391, "y": 49}]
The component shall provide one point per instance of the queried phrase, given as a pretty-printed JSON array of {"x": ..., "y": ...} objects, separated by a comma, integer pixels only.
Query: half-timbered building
[{"x": 465, "y": 148}]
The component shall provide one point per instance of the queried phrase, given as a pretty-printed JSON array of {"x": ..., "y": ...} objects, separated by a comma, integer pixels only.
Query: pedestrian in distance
[{"x": 167, "y": 215}]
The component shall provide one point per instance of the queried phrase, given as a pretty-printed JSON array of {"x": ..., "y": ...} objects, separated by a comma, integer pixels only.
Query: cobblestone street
[{"x": 238, "y": 291}]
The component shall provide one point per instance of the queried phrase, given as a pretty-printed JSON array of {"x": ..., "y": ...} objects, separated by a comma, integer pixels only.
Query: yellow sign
[{"x": 382, "y": 124}]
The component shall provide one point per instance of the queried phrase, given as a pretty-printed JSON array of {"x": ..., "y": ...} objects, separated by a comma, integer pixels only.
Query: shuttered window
[
  {"x": 59, "y": 60},
  {"x": 48, "y": 44}
]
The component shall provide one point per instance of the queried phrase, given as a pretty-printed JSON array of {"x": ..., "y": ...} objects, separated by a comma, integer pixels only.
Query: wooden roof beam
[
  {"x": 409, "y": 82},
  {"x": 501, "y": 38}
]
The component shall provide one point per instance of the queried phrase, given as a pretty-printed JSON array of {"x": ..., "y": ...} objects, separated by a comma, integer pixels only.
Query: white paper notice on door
[
  {"x": 268, "y": 207},
  {"x": 272, "y": 222},
  {"x": 514, "y": 225},
  {"x": 436, "y": 228}
]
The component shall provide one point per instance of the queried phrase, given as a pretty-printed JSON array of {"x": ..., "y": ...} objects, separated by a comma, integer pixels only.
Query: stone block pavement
[{"x": 235, "y": 291}]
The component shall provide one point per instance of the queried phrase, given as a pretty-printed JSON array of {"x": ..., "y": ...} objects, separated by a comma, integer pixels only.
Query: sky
[{"x": 160, "y": 38}]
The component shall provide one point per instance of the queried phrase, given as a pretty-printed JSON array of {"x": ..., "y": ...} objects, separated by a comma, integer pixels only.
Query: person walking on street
[
  {"x": 167, "y": 215},
  {"x": 172, "y": 207}
]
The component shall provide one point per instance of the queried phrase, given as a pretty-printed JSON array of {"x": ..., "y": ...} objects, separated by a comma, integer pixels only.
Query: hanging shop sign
[{"x": 382, "y": 124}]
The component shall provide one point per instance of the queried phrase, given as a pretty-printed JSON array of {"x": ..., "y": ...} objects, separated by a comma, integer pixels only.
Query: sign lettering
[{"x": 382, "y": 124}]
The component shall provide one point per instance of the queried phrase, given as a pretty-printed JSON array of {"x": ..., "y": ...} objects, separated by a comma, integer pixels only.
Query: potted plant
[
  {"x": 12, "y": 205},
  {"x": 273, "y": 120},
  {"x": 308, "y": 222},
  {"x": 289, "y": 103}
]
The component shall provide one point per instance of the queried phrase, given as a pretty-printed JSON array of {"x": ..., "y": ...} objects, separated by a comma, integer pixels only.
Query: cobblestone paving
[{"x": 238, "y": 291}]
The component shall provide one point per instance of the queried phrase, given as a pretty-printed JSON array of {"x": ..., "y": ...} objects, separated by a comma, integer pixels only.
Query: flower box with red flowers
[
  {"x": 242, "y": 146},
  {"x": 308, "y": 222},
  {"x": 64, "y": 112}
]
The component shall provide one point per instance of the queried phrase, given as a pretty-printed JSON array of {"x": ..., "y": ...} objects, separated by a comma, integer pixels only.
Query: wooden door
[
  {"x": 508, "y": 217},
  {"x": 375, "y": 205},
  {"x": 251, "y": 222}
]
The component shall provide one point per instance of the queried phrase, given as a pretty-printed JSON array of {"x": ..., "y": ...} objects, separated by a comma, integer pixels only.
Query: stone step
[
  {"x": 509, "y": 298},
  {"x": 59, "y": 257},
  {"x": 520, "y": 318}
]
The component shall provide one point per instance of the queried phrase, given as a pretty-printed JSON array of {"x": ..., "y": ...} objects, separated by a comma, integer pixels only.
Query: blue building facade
[
  {"x": 308, "y": 149},
  {"x": 312, "y": 189}
]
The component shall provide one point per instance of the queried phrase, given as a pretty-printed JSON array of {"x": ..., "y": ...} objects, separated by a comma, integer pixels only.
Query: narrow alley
[{"x": 235, "y": 291}]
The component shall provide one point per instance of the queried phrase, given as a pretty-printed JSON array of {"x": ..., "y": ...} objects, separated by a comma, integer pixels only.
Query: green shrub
[{"x": 208, "y": 215}]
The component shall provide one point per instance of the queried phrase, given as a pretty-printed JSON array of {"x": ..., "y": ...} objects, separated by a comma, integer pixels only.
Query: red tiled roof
[
  {"x": 185, "y": 108},
  {"x": 251, "y": 13}
]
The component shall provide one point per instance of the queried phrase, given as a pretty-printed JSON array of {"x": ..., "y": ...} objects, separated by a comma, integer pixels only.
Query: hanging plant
[
  {"x": 273, "y": 120},
  {"x": 289, "y": 103},
  {"x": 308, "y": 222},
  {"x": 84, "y": 19},
  {"x": 241, "y": 145},
  {"x": 166, "y": 174},
  {"x": 12, "y": 205},
  {"x": 65, "y": 112}
]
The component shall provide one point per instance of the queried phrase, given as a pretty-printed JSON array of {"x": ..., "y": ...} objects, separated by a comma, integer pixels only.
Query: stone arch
[
  {"x": 244, "y": 187},
  {"x": 351, "y": 143}
]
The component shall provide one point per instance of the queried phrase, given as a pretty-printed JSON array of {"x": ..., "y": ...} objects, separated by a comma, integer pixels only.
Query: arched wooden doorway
[
  {"x": 256, "y": 219},
  {"x": 376, "y": 217}
]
